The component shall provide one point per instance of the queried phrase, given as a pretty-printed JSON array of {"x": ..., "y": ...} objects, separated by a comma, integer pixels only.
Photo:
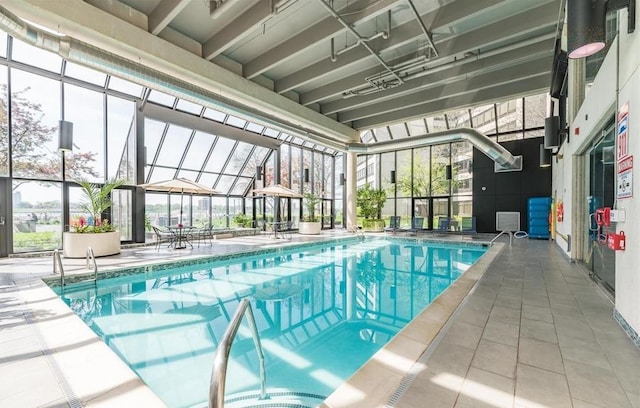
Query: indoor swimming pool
[{"x": 321, "y": 311}]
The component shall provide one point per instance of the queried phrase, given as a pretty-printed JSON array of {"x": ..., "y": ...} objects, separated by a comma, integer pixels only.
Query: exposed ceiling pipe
[
  {"x": 427, "y": 34},
  {"x": 348, "y": 26},
  {"x": 112, "y": 64},
  {"x": 491, "y": 148},
  {"x": 217, "y": 8}
]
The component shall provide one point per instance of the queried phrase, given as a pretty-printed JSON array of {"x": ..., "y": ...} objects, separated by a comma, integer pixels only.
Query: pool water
[{"x": 321, "y": 314}]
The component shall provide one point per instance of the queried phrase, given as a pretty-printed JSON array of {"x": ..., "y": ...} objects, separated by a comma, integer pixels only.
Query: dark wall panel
[{"x": 508, "y": 191}]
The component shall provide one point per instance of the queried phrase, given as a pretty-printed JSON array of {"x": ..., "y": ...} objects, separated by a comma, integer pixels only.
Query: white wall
[{"x": 597, "y": 109}]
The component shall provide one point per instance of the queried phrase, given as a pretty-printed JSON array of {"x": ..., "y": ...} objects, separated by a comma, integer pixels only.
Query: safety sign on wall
[{"x": 625, "y": 177}]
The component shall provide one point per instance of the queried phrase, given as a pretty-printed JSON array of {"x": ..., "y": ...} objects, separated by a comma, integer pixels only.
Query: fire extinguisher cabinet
[{"x": 539, "y": 209}]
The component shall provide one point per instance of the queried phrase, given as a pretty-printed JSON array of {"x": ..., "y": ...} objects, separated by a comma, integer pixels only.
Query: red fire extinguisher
[{"x": 617, "y": 242}]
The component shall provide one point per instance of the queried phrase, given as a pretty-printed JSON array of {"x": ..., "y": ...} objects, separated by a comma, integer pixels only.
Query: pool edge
[{"x": 382, "y": 378}]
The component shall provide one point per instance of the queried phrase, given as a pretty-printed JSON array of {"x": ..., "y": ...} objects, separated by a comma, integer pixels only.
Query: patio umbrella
[
  {"x": 179, "y": 185},
  {"x": 276, "y": 190}
]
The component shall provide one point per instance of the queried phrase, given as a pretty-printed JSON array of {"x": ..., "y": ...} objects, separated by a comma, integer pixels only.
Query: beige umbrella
[
  {"x": 179, "y": 185},
  {"x": 276, "y": 190}
]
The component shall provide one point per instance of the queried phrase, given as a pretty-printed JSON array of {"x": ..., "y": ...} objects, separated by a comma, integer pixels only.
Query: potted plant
[
  {"x": 310, "y": 224},
  {"x": 93, "y": 230},
  {"x": 370, "y": 201}
]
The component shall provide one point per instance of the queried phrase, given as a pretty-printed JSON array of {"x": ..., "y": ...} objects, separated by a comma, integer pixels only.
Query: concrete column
[
  {"x": 577, "y": 80},
  {"x": 350, "y": 191}
]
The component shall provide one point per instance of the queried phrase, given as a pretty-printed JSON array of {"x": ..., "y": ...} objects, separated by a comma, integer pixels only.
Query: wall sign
[
  {"x": 623, "y": 132},
  {"x": 625, "y": 177}
]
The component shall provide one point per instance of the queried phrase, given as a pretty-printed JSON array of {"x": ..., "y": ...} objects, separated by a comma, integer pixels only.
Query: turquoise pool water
[{"x": 322, "y": 312}]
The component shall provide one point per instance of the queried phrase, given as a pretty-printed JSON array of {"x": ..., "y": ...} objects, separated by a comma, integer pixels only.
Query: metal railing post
[
  {"x": 219, "y": 371},
  {"x": 57, "y": 265},
  {"x": 91, "y": 256}
]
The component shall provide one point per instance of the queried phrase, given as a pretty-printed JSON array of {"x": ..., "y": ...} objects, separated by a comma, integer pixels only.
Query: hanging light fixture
[
  {"x": 586, "y": 24},
  {"x": 393, "y": 177},
  {"x": 551, "y": 132},
  {"x": 545, "y": 156},
  {"x": 341, "y": 179},
  {"x": 448, "y": 172},
  {"x": 65, "y": 137},
  {"x": 306, "y": 175},
  {"x": 259, "y": 173}
]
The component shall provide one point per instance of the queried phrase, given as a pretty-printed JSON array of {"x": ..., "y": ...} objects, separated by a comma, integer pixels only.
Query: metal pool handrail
[
  {"x": 57, "y": 266},
  {"x": 91, "y": 256},
  {"x": 219, "y": 370}
]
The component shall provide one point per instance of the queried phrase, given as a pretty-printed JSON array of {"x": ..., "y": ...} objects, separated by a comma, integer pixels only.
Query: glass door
[
  {"x": 602, "y": 184},
  {"x": 327, "y": 214},
  {"x": 440, "y": 211}
]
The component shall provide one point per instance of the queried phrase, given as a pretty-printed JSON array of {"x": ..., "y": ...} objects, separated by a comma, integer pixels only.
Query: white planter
[
  {"x": 75, "y": 245},
  {"x": 309, "y": 228}
]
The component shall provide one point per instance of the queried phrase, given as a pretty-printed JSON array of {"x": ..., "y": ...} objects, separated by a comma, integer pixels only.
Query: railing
[
  {"x": 219, "y": 371},
  {"x": 503, "y": 232},
  {"x": 91, "y": 256},
  {"x": 57, "y": 266}
]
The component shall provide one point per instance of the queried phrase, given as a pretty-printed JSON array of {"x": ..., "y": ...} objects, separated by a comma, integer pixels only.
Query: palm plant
[{"x": 97, "y": 197}]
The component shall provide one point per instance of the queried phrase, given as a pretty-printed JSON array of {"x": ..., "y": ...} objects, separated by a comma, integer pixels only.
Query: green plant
[
  {"x": 96, "y": 200},
  {"x": 147, "y": 223},
  {"x": 310, "y": 202},
  {"x": 370, "y": 201},
  {"x": 242, "y": 220}
]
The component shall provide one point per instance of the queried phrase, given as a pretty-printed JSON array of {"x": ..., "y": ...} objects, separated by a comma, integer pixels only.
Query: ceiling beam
[
  {"x": 164, "y": 13},
  {"x": 493, "y": 94},
  {"x": 471, "y": 85},
  {"x": 236, "y": 30},
  {"x": 540, "y": 16},
  {"x": 311, "y": 36},
  {"x": 448, "y": 73}
]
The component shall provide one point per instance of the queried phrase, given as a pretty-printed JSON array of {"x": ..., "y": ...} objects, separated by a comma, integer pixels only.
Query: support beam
[
  {"x": 312, "y": 36},
  {"x": 164, "y": 13},
  {"x": 447, "y": 73},
  {"x": 535, "y": 84},
  {"x": 471, "y": 86},
  {"x": 527, "y": 21},
  {"x": 350, "y": 191},
  {"x": 237, "y": 29}
]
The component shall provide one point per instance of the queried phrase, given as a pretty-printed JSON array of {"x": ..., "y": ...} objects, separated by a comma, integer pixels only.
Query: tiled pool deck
[{"x": 534, "y": 331}]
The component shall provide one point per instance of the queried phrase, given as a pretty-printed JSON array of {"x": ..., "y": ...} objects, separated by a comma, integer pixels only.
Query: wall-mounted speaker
[
  {"x": 341, "y": 179},
  {"x": 306, "y": 175},
  {"x": 259, "y": 173},
  {"x": 393, "y": 177},
  {"x": 448, "y": 172}
]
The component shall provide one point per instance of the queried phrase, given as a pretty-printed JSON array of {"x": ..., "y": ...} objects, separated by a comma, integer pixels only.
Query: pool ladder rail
[
  {"x": 58, "y": 268},
  {"x": 221, "y": 359}
]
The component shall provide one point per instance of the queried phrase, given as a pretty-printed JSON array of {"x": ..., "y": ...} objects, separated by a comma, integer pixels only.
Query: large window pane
[
  {"x": 173, "y": 146},
  {"x": 510, "y": 115},
  {"x": 122, "y": 213},
  {"x": 37, "y": 216},
  {"x": 153, "y": 131},
  {"x": 421, "y": 174},
  {"x": 35, "y": 110},
  {"x": 125, "y": 86},
  {"x": 219, "y": 156},
  {"x": 484, "y": 119},
  {"x": 156, "y": 209},
  {"x": 4, "y": 121},
  {"x": 461, "y": 168},
  {"x": 296, "y": 170},
  {"x": 239, "y": 158},
  {"x": 84, "y": 74},
  {"x": 535, "y": 110},
  {"x": 85, "y": 109},
  {"x": 198, "y": 151},
  {"x": 439, "y": 161},
  {"x": 35, "y": 56},
  {"x": 121, "y": 139},
  {"x": 284, "y": 165}
]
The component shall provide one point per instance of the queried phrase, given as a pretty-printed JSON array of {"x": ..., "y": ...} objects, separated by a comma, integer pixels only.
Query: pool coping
[
  {"x": 383, "y": 377},
  {"x": 89, "y": 372}
]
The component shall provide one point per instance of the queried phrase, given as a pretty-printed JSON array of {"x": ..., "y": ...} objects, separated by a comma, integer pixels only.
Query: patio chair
[
  {"x": 468, "y": 225},
  {"x": 205, "y": 233},
  {"x": 444, "y": 224},
  {"x": 417, "y": 225},
  {"x": 163, "y": 236},
  {"x": 394, "y": 224}
]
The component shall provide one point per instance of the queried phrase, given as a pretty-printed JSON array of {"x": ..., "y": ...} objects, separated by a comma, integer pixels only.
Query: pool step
[{"x": 277, "y": 399}]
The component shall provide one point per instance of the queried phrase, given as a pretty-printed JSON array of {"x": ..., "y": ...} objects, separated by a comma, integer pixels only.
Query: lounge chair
[
  {"x": 444, "y": 224},
  {"x": 417, "y": 225},
  {"x": 394, "y": 224},
  {"x": 468, "y": 225}
]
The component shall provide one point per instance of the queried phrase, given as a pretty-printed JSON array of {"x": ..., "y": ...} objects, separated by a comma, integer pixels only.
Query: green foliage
[
  {"x": 28, "y": 241},
  {"x": 97, "y": 198},
  {"x": 147, "y": 223},
  {"x": 311, "y": 202},
  {"x": 370, "y": 202},
  {"x": 427, "y": 180},
  {"x": 242, "y": 220}
]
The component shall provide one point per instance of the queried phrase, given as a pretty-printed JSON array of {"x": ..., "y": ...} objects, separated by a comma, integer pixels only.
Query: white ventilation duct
[
  {"x": 113, "y": 64},
  {"x": 497, "y": 153}
]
